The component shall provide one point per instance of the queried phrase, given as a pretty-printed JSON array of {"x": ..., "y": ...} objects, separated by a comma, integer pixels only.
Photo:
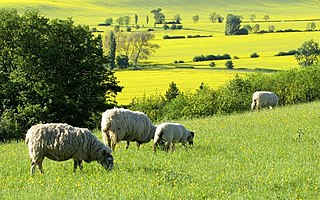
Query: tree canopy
[{"x": 50, "y": 71}]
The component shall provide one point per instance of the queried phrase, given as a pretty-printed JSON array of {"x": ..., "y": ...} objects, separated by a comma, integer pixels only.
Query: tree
[
  {"x": 177, "y": 19},
  {"x": 126, "y": 20},
  {"x": 120, "y": 21},
  {"x": 311, "y": 26},
  {"x": 266, "y": 18},
  {"x": 159, "y": 17},
  {"x": 271, "y": 28},
  {"x": 55, "y": 72},
  {"x": 112, "y": 49},
  {"x": 195, "y": 18},
  {"x": 147, "y": 19},
  {"x": 252, "y": 17},
  {"x": 136, "y": 45},
  {"x": 233, "y": 24},
  {"x": 116, "y": 28},
  {"x": 136, "y": 18},
  {"x": 172, "y": 92},
  {"x": 256, "y": 28},
  {"x": 229, "y": 64},
  {"x": 122, "y": 61},
  {"x": 109, "y": 21},
  {"x": 212, "y": 17},
  {"x": 308, "y": 53}
]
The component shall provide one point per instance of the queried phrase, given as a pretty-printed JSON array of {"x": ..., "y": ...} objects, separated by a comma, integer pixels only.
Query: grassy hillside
[
  {"x": 93, "y": 11},
  {"x": 271, "y": 154}
]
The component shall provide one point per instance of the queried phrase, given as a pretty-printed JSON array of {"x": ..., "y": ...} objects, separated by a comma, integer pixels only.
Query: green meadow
[
  {"x": 283, "y": 15},
  {"x": 271, "y": 154}
]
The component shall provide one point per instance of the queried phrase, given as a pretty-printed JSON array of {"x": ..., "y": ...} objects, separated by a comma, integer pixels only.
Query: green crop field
[
  {"x": 283, "y": 14},
  {"x": 271, "y": 154}
]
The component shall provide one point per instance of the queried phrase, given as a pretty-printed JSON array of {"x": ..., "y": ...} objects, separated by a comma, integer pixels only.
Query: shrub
[
  {"x": 229, "y": 64},
  {"x": 254, "y": 55},
  {"x": 212, "y": 64}
]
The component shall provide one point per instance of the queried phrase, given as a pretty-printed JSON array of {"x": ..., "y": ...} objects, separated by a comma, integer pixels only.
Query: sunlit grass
[{"x": 271, "y": 154}]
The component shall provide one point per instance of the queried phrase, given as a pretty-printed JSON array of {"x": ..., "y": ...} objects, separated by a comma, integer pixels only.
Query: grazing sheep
[
  {"x": 262, "y": 99},
  {"x": 61, "y": 142},
  {"x": 171, "y": 133},
  {"x": 120, "y": 124}
]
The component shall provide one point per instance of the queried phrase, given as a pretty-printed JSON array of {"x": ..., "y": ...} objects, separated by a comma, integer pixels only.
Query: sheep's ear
[{"x": 192, "y": 133}]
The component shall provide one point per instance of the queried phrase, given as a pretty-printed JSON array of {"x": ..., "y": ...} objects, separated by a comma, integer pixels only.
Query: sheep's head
[
  {"x": 190, "y": 138},
  {"x": 107, "y": 161}
]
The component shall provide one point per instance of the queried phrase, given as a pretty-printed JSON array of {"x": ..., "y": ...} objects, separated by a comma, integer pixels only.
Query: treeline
[
  {"x": 50, "y": 71},
  {"x": 292, "y": 86}
]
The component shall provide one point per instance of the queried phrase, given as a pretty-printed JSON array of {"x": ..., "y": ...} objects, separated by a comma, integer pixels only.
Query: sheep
[
  {"x": 60, "y": 142},
  {"x": 119, "y": 124},
  {"x": 262, "y": 99},
  {"x": 171, "y": 133}
]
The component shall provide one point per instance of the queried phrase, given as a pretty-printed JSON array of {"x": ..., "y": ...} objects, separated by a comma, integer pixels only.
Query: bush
[
  {"x": 229, "y": 64},
  {"x": 293, "y": 86},
  {"x": 211, "y": 57},
  {"x": 254, "y": 55},
  {"x": 289, "y": 53},
  {"x": 173, "y": 37},
  {"x": 212, "y": 64}
]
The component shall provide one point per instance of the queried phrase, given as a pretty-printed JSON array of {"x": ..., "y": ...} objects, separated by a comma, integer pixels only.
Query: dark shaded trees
[{"x": 50, "y": 71}]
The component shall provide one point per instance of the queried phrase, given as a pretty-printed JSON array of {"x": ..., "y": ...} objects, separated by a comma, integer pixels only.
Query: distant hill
[{"x": 94, "y": 11}]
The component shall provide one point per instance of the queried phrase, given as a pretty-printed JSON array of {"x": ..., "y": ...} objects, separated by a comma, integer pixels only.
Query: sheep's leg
[
  {"x": 127, "y": 146},
  {"x": 33, "y": 168},
  {"x": 155, "y": 147},
  {"x": 80, "y": 165},
  {"x": 40, "y": 166},
  {"x": 75, "y": 165},
  {"x": 138, "y": 145},
  {"x": 167, "y": 146},
  {"x": 173, "y": 147}
]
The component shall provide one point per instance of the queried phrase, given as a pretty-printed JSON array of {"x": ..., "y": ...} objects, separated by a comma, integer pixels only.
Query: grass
[{"x": 271, "y": 154}]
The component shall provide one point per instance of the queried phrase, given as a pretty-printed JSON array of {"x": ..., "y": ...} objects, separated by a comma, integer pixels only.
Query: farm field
[
  {"x": 153, "y": 82},
  {"x": 137, "y": 84},
  {"x": 271, "y": 154}
]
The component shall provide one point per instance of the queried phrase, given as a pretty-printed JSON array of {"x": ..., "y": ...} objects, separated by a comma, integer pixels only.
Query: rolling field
[
  {"x": 137, "y": 84},
  {"x": 272, "y": 154}
]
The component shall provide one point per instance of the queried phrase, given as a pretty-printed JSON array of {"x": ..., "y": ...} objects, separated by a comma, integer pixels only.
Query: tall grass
[{"x": 271, "y": 154}]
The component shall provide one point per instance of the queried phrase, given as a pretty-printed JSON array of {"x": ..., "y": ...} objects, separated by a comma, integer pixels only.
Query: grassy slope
[{"x": 241, "y": 156}]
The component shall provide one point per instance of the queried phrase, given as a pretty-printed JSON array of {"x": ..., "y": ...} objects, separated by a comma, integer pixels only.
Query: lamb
[
  {"x": 61, "y": 142},
  {"x": 171, "y": 133},
  {"x": 262, "y": 99},
  {"x": 119, "y": 124}
]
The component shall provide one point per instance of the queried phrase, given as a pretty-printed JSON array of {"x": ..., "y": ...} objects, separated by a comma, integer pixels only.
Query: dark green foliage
[
  {"x": 229, "y": 64},
  {"x": 50, "y": 71},
  {"x": 173, "y": 37},
  {"x": 289, "y": 53},
  {"x": 211, "y": 57},
  {"x": 293, "y": 86},
  {"x": 233, "y": 24},
  {"x": 112, "y": 50},
  {"x": 212, "y": 64},
  {"x": 308, "y": 54},
  {"x": 122, "y": 61},
  {"x": 159, "y": 17},
  {"x": 254, "y": 55},
  {"x": 172, "y": 92}
]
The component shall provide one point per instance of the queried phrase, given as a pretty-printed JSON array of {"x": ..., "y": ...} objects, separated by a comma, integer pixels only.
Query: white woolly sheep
[
  {"x": 171, "y": 133},
  {"x": 62, "y": 142},
  {"x": 120, "y": 124},
  {"x": 262, "y": 99}
]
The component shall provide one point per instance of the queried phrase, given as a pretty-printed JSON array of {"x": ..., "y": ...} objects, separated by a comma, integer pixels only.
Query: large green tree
[
  {"x": 51, "y": 71},
  {"x": 233, "y": 24},
  {"x": 308, "y": 53}
]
